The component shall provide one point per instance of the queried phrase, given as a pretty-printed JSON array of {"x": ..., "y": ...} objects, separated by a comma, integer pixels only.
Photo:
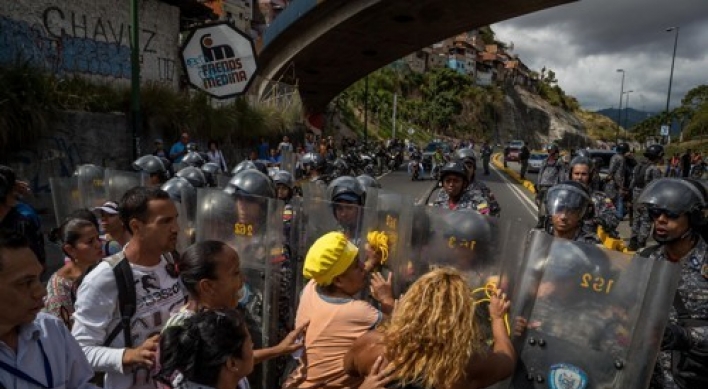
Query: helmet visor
[{"x": 567, "y": 199}]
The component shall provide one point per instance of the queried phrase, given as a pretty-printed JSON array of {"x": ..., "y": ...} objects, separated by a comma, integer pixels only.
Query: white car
[{"x": 535, "y": 162}]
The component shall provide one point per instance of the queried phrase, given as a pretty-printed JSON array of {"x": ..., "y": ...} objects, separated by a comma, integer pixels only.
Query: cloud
[{"x": 585, "y": 43}]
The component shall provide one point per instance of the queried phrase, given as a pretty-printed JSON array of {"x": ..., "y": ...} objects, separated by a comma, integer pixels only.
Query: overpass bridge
[{"x": 324, "y": 46}]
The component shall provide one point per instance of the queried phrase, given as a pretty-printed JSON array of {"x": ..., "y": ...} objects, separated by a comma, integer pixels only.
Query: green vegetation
[
  {"x": 30, "y": 100},
  {"x": 440, "y": 102}
]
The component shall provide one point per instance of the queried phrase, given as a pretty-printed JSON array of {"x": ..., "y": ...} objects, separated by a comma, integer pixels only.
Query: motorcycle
[
  {"x": 698, "y": 170},
  {"x": 415, "y": 170}
]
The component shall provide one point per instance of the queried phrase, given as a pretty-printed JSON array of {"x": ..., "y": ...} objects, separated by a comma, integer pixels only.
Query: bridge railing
[{"x": 293, "y": 12}]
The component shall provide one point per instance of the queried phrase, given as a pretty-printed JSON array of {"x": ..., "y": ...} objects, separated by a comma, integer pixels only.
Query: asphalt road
[{"x": 518, "y": 209}]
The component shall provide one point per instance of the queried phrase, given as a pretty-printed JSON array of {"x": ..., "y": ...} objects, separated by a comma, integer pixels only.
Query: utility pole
[
  {"x": 671, "y": 77},
  {"x": 619, "y": 112},
  {"x": 135, "y": 75},
  {"x": 395, "y": 101},
  {"x": 366, "y": 109}
]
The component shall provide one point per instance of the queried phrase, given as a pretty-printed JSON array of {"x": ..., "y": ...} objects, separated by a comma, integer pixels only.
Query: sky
[{"x": 585, "y": 42}]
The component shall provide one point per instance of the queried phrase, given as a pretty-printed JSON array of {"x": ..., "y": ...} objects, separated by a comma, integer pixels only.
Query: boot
[{"x": 633, "y": 245}]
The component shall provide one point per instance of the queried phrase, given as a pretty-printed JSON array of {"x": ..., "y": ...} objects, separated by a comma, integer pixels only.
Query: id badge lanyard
[{"x": 26, "y": 377}]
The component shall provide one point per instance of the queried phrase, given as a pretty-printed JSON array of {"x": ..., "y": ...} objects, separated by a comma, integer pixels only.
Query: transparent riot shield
[
  {"x": 66, "y": 196},
  {"x": 253, "y": 226},
  {"x": 222, "y": 179},
  {"x": 117, "y": 182},
  {"x": 389, "y": 228},
  {"x": 93, "y": 190},
  {"x": 287, "y": 161},
  {"x": 586, "y": 317}
]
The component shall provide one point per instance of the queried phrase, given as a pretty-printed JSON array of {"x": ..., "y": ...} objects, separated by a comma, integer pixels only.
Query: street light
[
  {"x": 671, "y": 77},
  {"x": 626, "y": 109},
  {"x": 619, "y": 112}
]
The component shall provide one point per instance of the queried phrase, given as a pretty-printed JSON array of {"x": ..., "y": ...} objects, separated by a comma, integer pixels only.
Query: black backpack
[{"x": 640, "y": 174}]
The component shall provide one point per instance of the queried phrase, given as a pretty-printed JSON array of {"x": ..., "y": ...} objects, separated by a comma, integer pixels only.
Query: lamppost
[
  {"x": 671, "y": 76},
  {"x": 626, "y": 109},
  {"x": 619, "y": 112},
  {"x": 135, "y": 75}
]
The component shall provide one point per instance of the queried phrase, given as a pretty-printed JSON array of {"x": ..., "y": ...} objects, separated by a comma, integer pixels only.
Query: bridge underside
[{"x": 341, "y": 41}]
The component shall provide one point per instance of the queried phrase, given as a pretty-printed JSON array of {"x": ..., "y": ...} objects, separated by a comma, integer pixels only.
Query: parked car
[
  {"x": 535, "y": 161},
  {"x": 514, "y": 150}
]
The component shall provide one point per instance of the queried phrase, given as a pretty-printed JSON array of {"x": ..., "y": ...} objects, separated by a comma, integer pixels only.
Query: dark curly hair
[{"x": 200, "y": 347}]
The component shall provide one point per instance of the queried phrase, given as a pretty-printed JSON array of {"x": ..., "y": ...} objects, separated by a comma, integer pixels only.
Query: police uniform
[
  {"x": 642, "y": 223},
  {"x": 486, "y": 155},
  {"x": 603, "y": 214},
  {"x": 477, "y": 196},
  {"x": 693, "y": 291},
  {"x": 617, "y": 174},
  {"x": 551, "y": 173}
]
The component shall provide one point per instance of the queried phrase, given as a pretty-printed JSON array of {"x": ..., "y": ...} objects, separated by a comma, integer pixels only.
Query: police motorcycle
[
  {"x": 586, "y": 317},
  {"x": 415, "y": 165},
  {"x": 246, "y": 216}
]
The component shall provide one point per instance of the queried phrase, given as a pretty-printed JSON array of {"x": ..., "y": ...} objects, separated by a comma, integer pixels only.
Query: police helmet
[
  {"x": 585, "y": 153},
  {"x": 284, "y": 177},
  {"x": 150, "y": 164},
  {"x": 678, "y": 196},
  {"x": 654, "y": 152},
  {"x": 568, "y": 195},
  {"x": 368, "y": 182},
  {"x": 193, "y": 158},
  {"x": 465, "y": 154},
  {"x": 251, "y": 182},
  {"x": 210, "y": 170},
  {"x": 622, "y": 148},
  {"x": 470, "y": 229},
  {"x": 552, "y": 148},
  {"x": 178, "y": 188},
  {"x": 194, "y": 175},
  {"x": 246, "y": 165},
  {"x": 89, "y": 172},
  {"x": 314, "y": 161},
  {"x": 455, "y": 167},
  {"x": 192, "y": 147},
  {"x": 346, "y": 188}
]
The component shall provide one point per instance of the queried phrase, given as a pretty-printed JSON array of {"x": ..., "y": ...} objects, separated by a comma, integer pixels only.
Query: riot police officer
[
  {"x": 194, "y": 175},
  {"x": 567, "y": 204},
  {"x": 211, "y": 170},
  {"x": 616, "y": 185},
  {"x": 678, "y": 210},
  {"x": 155, "y": 167},
  {"x": 455, "y": 178},
  {"x": 595, "y": 179},
  {"x": 348, "y": 197},
  {"x": 643, "y": 174},
  {"x": 602, "y": 212},
  {"x": 551, "y": 173},
  {"x": 315, "y": 167},
  {"x": 368, "y": 182},
  {"x": 247, "y": 164},
  {"x": 476, "y": 188}
]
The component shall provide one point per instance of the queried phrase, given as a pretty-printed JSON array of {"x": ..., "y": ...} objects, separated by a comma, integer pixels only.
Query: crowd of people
[{"x": 191, "y": 281}]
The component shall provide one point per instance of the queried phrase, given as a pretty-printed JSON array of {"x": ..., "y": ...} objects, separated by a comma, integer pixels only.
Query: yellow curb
[
  {"x": 612, "y": 243},
  {"x": 496, "y": 159}
]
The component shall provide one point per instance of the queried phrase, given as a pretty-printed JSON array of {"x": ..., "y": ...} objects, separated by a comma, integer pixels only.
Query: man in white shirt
[
  {"x": 285, "y": 145},
  {"x": 36, "y": 349},
  {"x": 151, "y": 217}
]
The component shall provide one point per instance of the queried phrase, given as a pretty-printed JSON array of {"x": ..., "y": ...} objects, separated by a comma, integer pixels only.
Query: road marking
[{"x": 525, "y": 201}]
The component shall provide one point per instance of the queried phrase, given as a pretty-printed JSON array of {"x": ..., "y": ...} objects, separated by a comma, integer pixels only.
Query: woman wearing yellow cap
[{"x": 336, "y": 317}]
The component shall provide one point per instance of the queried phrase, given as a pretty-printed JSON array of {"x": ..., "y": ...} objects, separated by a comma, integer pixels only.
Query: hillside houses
[{"x": 467, "y": 54}]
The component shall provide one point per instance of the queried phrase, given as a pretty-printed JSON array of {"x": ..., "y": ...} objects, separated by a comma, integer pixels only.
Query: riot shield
[
  {"x": 586, "y": 317},
  {"x": 222, "y": 180},
  {"x": 253, "y": 226},
  {"x": 117, "y": 182},
  {"x": 390, "y": 225},
  {"x": 92, "y": 189},
  {"x": 65, "y": 196},
  {"x": 287, "y": 161}
]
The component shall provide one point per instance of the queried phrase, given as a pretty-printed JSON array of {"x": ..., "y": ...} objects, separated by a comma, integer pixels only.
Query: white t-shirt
[
  {"x": 97, "y": 314},
  {"x": 285, "y": 146}
]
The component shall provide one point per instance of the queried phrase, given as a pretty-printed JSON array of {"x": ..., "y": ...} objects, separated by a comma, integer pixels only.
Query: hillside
[{"x": 629, "y": 117}]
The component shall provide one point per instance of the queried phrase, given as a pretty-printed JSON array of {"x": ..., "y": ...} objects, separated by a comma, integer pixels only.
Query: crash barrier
[{"x": 607, "y": 241}]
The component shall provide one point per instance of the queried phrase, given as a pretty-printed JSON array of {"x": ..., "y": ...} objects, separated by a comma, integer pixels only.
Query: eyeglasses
[{"x": 655, "y": 213}]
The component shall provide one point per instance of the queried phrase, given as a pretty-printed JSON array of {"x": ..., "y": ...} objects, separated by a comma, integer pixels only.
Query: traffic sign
[
  {"x": 219, "y": 59},
  {"x": 411, "y": 131},
  {"x": 664, "y": 130}
]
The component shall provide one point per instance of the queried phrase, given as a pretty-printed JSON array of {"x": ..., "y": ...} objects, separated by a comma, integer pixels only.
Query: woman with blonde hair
[{"x": 424, "y": 342}]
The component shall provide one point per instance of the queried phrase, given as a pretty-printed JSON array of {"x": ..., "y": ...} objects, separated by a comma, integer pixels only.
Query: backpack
[{"x": 640, "y": 174}]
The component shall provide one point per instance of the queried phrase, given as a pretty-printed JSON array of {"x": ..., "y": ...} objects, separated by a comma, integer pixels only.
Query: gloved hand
[{"x": 676, "y": 338}]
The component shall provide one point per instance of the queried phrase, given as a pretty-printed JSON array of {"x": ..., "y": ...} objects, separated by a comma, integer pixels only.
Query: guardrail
[{"x": 607, "y": 241}]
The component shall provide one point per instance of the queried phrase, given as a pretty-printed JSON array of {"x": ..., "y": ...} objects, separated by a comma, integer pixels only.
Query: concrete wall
[
  {"x": 91, "y": 37},
  {"x": 76, "y": 138}
]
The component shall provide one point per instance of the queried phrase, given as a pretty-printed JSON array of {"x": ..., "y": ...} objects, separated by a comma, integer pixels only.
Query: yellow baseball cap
[{"x": 330, "y": 256}]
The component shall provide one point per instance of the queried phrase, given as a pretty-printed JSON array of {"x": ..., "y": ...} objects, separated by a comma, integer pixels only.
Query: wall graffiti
[
  {"x": 55, "y": 156},
  {"x": 69, "y": 42}
]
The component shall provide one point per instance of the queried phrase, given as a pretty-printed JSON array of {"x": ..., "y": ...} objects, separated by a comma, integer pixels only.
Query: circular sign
[{"x": 220, "y": 60}]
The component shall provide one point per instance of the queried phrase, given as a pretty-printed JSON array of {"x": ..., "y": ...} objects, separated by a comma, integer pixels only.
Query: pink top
[{"x": 335, "y": 323}]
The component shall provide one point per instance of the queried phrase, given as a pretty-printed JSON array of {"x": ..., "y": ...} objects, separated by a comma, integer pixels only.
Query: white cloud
[{"x": 585, "y": 43}]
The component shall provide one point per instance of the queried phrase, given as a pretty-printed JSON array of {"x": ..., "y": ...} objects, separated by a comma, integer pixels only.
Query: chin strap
[{"x": 688, "y": 233}]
